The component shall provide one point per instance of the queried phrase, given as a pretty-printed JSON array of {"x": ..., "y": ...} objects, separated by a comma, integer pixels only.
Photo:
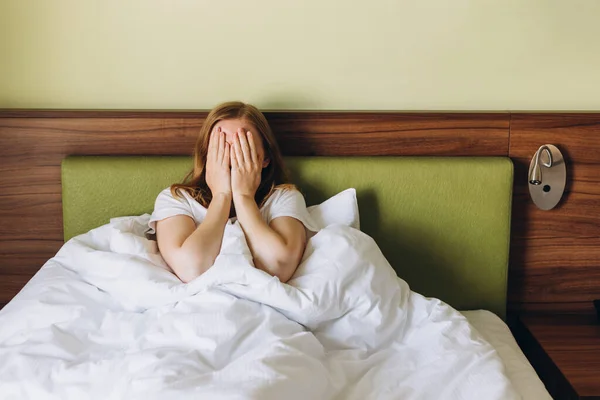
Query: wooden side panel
[
  {"x": 33, "y": 143},
  {"x": 391, "y": 134},
  {"x": 556, "y": 254},
  {"x": 565, "y": 351}
]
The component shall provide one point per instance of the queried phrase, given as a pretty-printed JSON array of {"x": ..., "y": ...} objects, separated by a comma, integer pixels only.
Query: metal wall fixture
[{"x": 547, "y": 177}]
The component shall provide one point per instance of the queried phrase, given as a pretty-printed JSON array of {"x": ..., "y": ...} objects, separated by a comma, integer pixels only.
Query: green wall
[{"x": 311, "y": 54}]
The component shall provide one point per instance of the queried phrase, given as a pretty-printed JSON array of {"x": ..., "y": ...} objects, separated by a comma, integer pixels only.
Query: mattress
[{"x": 518, "y": 369}]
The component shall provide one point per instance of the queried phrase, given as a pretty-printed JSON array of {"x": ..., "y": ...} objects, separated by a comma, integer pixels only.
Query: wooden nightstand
[{"x": 565, "y": 352}]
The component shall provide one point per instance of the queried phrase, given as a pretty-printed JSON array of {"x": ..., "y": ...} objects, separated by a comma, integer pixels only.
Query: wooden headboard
[{"x": 555, "y": 256}]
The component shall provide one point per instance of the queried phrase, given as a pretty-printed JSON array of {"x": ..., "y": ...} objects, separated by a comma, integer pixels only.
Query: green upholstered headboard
[{"x": 442, "y": 222}]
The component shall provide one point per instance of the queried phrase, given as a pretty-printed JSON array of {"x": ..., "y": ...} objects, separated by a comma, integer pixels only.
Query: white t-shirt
[{"x": 281, "y": 203}]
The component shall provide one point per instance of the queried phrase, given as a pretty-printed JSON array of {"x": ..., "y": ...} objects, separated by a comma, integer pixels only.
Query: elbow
[
  {"x": 285, "y": 270},
  {"x": 187, "y": 267},
  {"x": 186, "y": 276},
  {"x": 190, "y": 271},
  {"x": 282, "y": 265},
  {"x": 284, "y": 278}
]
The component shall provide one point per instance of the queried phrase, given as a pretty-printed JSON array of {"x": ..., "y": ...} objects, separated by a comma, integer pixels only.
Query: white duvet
[{"x": 105, "y": 319}]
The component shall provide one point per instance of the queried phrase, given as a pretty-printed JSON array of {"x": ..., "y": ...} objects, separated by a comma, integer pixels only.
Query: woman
[{"x": 238, "y": 173}]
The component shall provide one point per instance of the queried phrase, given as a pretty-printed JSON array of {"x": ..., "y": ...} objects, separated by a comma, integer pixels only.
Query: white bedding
[
  {"x": 104, "y": 319},
  {"x": 519, "y": 371}
]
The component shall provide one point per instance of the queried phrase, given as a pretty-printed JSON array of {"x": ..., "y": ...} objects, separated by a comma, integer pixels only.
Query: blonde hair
[{"x": 272, "y": 177}]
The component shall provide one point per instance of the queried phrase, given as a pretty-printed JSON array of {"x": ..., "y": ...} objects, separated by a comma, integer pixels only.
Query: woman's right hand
[{"x": 218, "y": 167}]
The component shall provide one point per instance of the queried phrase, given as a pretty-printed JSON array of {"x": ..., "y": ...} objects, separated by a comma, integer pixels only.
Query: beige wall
[{"x": 311, "y": 54}]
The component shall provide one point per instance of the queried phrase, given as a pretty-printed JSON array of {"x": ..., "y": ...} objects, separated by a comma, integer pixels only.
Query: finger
[
  {"x": 239, "y": 154},
  {"x": 211, "y": 144},
  {"x": 221, "y": 148},
  {"x": 234, "y": 163},
  {"x": 245, "y": 148},
  {"x": 253, "y": 152},
  {"x": 213, "y": 138},
  {"x": 226, "y": 155}
]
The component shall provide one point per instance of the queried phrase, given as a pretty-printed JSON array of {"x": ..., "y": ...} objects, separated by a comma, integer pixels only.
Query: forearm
[
  {"x": 267, "y": 246},
  {"x": 203, "y": 246}
]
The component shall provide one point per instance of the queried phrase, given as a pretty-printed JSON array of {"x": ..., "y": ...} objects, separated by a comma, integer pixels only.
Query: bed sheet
[{"x": 519, "y": 370}]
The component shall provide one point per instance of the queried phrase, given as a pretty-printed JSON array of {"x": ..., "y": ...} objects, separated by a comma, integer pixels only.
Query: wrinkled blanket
[{"x": 106, "y": 319}]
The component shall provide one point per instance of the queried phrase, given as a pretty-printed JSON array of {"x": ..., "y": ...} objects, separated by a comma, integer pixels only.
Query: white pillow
[{"x": 339, "y": 209}]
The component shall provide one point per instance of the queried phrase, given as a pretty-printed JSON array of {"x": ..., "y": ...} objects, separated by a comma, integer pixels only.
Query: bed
[{"x": 442, "y": 223}]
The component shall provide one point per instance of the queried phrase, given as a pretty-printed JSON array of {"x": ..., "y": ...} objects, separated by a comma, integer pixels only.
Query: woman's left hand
[{"x": 246, "y": 167}]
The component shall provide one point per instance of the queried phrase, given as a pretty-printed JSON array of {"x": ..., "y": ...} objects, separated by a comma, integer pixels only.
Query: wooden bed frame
[{"x": 555, "y": 256}]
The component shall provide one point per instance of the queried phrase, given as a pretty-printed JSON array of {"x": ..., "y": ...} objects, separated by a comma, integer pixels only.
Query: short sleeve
[
  {"x": 167, "y": 206},
  {"x": 291, "y": 203}
]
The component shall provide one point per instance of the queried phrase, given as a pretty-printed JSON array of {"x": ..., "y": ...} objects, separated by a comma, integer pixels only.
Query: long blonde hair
[{"x": 273, "y": 175}]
